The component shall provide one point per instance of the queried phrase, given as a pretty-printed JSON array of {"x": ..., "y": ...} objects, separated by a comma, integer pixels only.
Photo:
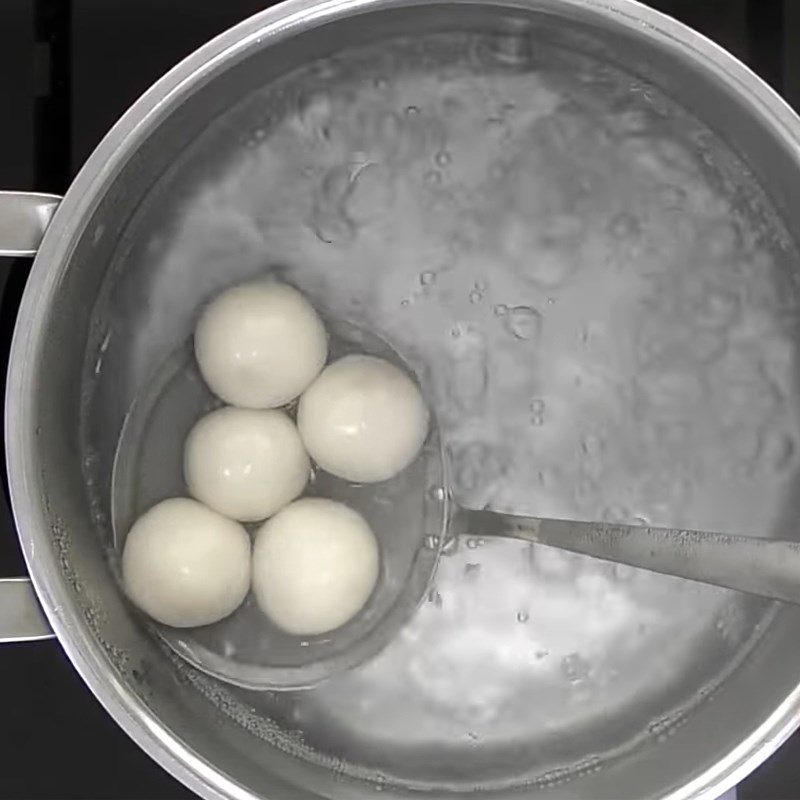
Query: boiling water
[{"x": 598, "y": 299}]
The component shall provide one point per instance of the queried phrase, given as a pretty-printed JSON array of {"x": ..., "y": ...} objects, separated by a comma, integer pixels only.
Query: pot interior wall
[{"x": 111, "y": 321}]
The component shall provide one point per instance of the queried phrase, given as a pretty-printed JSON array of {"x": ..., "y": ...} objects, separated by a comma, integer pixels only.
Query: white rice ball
[
  {"x": 244, "y": 463},
  {"x": 315, "y": 564},
  {"x": 260, "y": 344},
  {"x": 363, "y": 419},
  {"x": 186, "y": 565}
]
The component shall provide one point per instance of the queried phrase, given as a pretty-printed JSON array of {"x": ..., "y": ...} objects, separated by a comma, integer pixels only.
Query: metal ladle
[{"x": 245, "y": 649}]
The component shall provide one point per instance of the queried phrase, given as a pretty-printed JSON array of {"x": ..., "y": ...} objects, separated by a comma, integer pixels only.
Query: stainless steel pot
[{"x": 87, "y": 267}]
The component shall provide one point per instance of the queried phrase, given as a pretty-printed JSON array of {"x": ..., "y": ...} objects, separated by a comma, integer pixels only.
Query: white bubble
[{"x": 524, "y": 322}]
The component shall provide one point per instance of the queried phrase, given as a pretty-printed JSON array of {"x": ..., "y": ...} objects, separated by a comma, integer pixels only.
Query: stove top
[{"x": 72, "y": 67}]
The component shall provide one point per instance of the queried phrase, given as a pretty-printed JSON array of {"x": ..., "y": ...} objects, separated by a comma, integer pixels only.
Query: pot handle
[
  {"x": 21, "y": 616},
  {"x": 24, "y": 216}
]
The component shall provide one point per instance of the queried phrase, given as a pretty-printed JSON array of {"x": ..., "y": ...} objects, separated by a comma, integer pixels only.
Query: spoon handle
[{"x": 765, "y": 567}]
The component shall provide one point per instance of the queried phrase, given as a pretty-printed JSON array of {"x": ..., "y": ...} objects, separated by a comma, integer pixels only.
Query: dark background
[{"x": 68, "y": 69}]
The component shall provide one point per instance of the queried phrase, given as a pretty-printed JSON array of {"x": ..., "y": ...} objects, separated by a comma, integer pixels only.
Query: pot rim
[{"x": 273, "y": 25}]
